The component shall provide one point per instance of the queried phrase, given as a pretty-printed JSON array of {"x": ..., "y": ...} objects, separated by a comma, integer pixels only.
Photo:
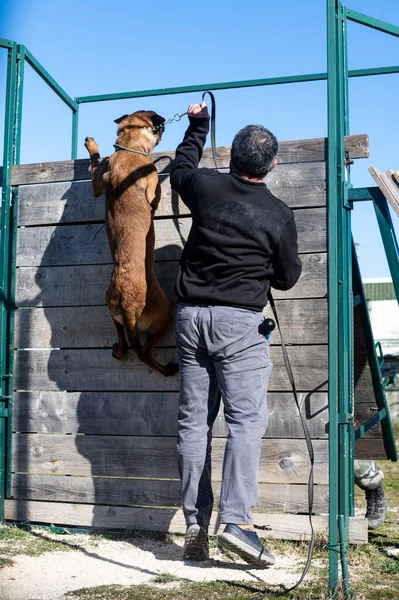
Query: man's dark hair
[{"x": 253, "y": 150}]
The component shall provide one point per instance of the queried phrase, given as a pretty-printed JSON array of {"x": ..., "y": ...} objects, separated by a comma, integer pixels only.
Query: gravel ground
[{"x": 138, "y": 561}]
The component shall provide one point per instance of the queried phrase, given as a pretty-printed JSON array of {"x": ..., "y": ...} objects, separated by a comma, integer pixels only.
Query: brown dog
[{"x": 132, "y": 190}]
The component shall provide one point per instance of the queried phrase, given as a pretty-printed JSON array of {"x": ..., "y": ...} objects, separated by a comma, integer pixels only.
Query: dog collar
[{"x": 131, "y": 150}]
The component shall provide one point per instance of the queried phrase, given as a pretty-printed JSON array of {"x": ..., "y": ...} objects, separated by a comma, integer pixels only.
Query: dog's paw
[
  {"x": 172, "y": 369},
  {"x": 118, "y": 353},
  {"x": 91, "y": 145}
]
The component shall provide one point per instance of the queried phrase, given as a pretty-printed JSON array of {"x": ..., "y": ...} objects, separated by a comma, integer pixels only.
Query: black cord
[
  {"x": 213, "y": 124},
  {"x": 308, "y": 444}
]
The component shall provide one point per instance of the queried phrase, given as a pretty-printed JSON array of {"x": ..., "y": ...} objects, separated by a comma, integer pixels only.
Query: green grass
[{"x": 15, "y": 541}]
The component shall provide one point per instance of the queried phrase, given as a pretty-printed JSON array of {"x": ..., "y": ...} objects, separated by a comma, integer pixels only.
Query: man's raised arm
[
  {"x": 189, "y": 152},
  {"x": 287, "y": 265}
]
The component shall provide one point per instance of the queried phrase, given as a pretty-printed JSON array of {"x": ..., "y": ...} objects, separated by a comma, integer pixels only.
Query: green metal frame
[{"x": 340, "y": 199}]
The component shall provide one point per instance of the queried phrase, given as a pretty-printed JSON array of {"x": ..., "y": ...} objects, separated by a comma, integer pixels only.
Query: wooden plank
[
  {"x": 293, "y": 527},
  {"x": 150, "y": 492},
  {"x": 91, "y": 370},
  {"x": 302, "y": 321},
  {"x": 388, "y": 186},
  {"x": 308, "y": 150},
  {"x": 88, "y": 244},
  {"x": 282, "y": 461},
  {"x": 151, "y": 413},
  {"x": 299, "y": 185},
  {"x": 85, "y": 285}
]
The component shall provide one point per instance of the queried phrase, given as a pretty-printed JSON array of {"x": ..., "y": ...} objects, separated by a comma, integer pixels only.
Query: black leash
[
  {"x": 213, "y": 124},
  {"x": 308, "y": 444}
]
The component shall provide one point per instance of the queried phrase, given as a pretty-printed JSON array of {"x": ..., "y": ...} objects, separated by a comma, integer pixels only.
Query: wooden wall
[{"x": 94, "y": 440}]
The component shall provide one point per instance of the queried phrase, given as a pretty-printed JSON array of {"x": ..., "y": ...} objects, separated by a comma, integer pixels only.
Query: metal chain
[{"x": 177, "y": 117}]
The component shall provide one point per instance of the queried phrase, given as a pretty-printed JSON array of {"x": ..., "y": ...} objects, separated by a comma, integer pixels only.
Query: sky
[{"x": 106, "y": 47}]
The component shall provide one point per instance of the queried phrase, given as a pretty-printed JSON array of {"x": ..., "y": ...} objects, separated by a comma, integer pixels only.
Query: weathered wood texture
[
  {"x": 91, "y": 370},
  {"x": 388, "y": 186},
  {"x": 278, "y": 526},
  {"x": 299, "y": 185},
  {"x": 152, "y": 414},
  {"x": 302, "y": 322},
  {"x": 282, "y": 461},
  {"x": 88, "y": 244},
  {"x": 297, "y": 151},
  {"x": 150, "y": 492},
  {"x": 85, "y": 285}
]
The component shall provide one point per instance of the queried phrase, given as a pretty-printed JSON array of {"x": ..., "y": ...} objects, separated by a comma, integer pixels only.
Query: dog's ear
[
  {"x": 117, "y": 121},
  {"x": 157, "y": 120}
]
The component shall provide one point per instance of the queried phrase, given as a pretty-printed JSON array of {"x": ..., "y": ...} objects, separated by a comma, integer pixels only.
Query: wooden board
[
  {"x": 278, "y": 526},
  {"x": 155, "y": 413},
  {"x": 151, "y": 413},
  {"x": 388, "y": 186},
  {"x": 309, "y": 150},
  {"x": 150, "y": 492},
  {"x": 282, "y": 461},
  {"x": 299, "y": 185},
  {"x": 86, "y": 285},
  {"x": 302, "y": 321},
  {"x": 88, "y": 244},
  {"x": 48, "y": 370}
]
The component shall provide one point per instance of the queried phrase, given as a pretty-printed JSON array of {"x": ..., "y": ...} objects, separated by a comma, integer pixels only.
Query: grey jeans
[{"x": 221, "y": 355}]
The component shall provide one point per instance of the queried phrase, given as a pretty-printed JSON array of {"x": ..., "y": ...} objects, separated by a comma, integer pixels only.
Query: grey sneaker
[
  {"x": 196, "y": 545},
  {"x": 377, "y": 504},
  {"x": 246, "y": 544}
]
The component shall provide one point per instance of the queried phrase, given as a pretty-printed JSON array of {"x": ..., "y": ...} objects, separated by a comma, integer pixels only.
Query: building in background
[{"x": 384, "y": 313}]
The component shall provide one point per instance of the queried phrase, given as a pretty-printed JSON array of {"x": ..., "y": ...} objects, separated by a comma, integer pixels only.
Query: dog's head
[{"x": 147, "y": 122}]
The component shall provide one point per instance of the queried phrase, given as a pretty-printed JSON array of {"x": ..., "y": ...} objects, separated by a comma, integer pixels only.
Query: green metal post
[
  {"x": 75, "y": 129},
  {"x": 5, "y": 210},
  {"x": 333, "y": 375},
  {"x": 388, "y": 236},
  {"x": 8, "y": 216},
  {"x": 340, "y": 292}
]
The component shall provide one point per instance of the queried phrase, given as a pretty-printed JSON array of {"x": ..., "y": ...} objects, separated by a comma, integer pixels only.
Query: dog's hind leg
[
  {"x": 146, "y": 356},
  {"x": 120, "y": 348}
]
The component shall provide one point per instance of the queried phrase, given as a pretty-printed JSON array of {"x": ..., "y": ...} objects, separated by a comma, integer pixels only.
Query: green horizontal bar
[
  {"x": 360, "y": 194},
  {"x": 6, "y": 43},
  {"x": 383, "y": 26},
  {"x": 370, "y": 423},
  {"x": 41, "y": 71},
  {"x": 200, "y": 88},
  {"x": 228, "y": 85}
]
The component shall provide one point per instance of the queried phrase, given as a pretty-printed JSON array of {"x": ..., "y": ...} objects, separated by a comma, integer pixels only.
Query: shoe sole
[
  {"x": 194, "y": 547},
  {"x": 230, "y": 542}
]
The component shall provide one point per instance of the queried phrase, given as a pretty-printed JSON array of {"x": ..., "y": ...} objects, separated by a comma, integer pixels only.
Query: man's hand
[{"x": 199, "y": 111}]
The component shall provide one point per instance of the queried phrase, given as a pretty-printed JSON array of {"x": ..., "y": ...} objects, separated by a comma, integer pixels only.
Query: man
[
  {"x": 242, "y": 240},
  {"x": 369, "y": 477}
]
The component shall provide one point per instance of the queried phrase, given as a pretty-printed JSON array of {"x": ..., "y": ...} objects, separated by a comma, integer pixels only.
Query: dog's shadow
[{"x": 117, "y": 439}]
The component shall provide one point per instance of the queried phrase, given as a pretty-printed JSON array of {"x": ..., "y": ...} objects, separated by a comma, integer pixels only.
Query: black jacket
[{"x": 242, "y": 240}]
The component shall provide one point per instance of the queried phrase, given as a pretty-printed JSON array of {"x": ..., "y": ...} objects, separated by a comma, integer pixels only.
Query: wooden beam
[
  {"x": 296, "y": 151},
  {"x": 152, "y": 414},
  {"x": 299, "y": 185},
  {"x": 282, "y": 461},
  {"x": 388, "y": 186},
  {"x": 88, "y": 244},
  {"x": 303, "y": 321},
  {"x": 47, "y": 370},
  {"x": 152, "y": 492},
  {"x": 85, "y": 285},
  {"x": 277, "y": 526}
]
